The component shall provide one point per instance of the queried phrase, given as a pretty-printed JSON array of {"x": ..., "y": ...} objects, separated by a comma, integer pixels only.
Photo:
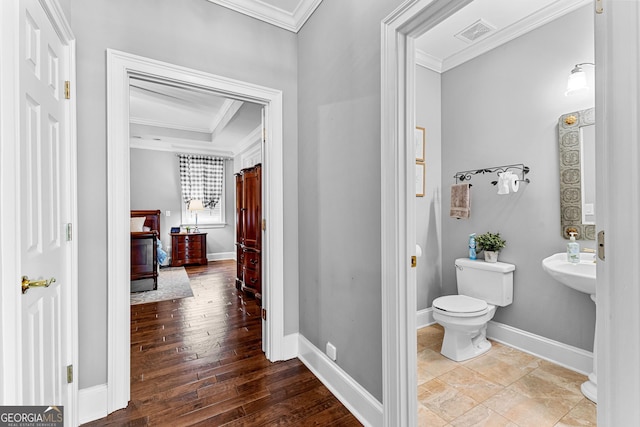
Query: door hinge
[
  {"x": 599, "y": 8},
  {"x": 69, "y": 374},
  {"x": 69, "y": 232},
  {"x": 264, "y": 224},
  {"x": 67, "y": 89},
  {"x": 264, "y": 314},
  {"x": 601, "y": 245},
  {"x": 414, "y": 261}
]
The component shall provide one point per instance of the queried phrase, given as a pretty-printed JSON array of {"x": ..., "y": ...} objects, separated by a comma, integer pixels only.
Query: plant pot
[{"x": 491, "y": 256}]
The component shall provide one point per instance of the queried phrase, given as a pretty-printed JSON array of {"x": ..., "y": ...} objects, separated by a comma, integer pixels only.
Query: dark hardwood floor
[{"x": 198, "y": 362}]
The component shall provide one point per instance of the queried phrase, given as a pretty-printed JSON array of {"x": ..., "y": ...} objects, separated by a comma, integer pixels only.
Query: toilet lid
[{"x": 459, "y": 304}]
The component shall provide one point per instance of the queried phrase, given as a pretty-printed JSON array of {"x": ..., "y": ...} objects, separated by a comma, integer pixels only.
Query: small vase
[{"x": 491, "y": 256}]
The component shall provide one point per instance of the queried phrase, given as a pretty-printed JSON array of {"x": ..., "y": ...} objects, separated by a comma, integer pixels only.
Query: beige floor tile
[
  {"x": 561, "y": 376},
  {"x": 497, "y": 370},
  {"x": 527, "y": 411},
  {"x": 423, "y": 374},
  {"x": 513, "y": 356},
  {"x": 583, "y": 415},
  {"x": 535, "y": 385},
  {"x": 471, "y": 383},
  {"x": 430, "y": 337},
  {"x": 427, "y": 417},
  {"x": 444, "y": 400},
  {"x": 481, "y": 416},
  {"x": 435, "y": 363}
]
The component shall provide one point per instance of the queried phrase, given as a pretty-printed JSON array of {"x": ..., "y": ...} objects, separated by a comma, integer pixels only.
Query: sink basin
[{"x": 581, "y": 276}]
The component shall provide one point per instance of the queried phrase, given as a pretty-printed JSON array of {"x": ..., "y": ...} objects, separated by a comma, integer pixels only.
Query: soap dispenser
[{"x": 573, "y": 249}]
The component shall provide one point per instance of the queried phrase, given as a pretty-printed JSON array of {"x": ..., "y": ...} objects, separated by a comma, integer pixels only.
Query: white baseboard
[
  {"x": 424, "y": 318},
  {"x": 290, "y": 343},
  {"x": 92, "y": 403},
  {"x": 570, "y": 357},
  {"x": 359, "y": 401},
  {"x": 219, "y": 256}
]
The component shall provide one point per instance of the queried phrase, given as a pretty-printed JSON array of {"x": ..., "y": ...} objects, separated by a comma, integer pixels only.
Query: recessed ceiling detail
[
  {"x": 288, "y": 14},
  {"x": 439, "y": 50}
]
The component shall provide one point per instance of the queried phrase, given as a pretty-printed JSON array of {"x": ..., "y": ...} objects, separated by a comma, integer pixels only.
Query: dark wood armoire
[{"x": 249, "y": 230}]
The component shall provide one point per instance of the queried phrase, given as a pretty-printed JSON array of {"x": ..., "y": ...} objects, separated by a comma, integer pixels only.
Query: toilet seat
[{"x": 461, "y": 305}]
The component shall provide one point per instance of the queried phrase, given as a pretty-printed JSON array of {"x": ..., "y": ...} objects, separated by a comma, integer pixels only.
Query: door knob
[{"x": 26, "y": 283}]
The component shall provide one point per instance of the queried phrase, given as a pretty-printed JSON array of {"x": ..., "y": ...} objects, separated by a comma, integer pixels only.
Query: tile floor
[{"x": 503, "y": 387}]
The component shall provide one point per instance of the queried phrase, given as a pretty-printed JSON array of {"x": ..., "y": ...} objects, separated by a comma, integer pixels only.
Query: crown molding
[
  {"x": 425, "y": 60},
  {"x": 248, "y": 140},
  {"x": 165, "y": 125},
  {"x": 175, "y": 145},
  {"x": 291, "y": 21}
]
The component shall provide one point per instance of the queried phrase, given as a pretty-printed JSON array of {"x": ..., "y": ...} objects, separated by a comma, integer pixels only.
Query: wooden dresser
[
  {"x": 188, "y": 249},
  {"x": 249, "y": 230}
]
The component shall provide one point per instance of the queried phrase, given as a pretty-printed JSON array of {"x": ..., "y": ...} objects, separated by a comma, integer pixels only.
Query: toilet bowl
[
  {"x": 482, "y": 287},
  {"x": 464, "y": 320}
]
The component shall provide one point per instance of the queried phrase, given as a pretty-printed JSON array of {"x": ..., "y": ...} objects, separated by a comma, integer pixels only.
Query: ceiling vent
[{"x": 475, "y": 31}]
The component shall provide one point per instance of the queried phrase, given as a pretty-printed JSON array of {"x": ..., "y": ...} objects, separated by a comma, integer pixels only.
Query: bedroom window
[{"x": 202, "y": 178}]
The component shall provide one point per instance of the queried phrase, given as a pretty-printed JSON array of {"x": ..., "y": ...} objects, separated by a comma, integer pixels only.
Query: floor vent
[{"x": 475, "y": 31}]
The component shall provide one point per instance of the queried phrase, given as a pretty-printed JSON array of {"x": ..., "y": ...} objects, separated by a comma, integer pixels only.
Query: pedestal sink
[{"x": 581, "y": 277}]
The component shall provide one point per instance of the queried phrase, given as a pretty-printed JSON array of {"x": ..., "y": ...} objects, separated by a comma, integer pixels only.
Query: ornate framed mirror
[{"x": 576, "y": 141}]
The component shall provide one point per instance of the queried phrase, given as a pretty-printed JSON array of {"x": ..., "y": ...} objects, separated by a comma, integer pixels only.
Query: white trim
[
  {"x": 430, "y": 62},
  {"x": 292, "y": 21},
  {"x": 424, "y": 318},
  {"x": 398, "y": 31},
  {"x": 570, "y": 357},
  {"x": 120, "y": 66},
  {"x": 166, "y": 125},
  {"x": 290, "y": 346},
  {"x": 617, "y": 61},
  {"x": 93, "y": 403},
  {"x": 219, "y": 256},
  {"x": 366, "y": 408},
  {"x": 529, "y": 23},
  {"x": 10, "y": 357}
]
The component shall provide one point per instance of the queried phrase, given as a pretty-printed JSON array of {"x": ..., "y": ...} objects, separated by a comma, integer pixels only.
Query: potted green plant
[{"x": 490, "y": 243}]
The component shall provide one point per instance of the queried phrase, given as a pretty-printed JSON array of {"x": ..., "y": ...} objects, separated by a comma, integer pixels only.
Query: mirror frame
[{"x": 570, "y": 144}]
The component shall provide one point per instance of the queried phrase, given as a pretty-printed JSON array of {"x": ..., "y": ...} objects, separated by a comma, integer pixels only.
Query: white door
[{"x": 45, "y": 209}]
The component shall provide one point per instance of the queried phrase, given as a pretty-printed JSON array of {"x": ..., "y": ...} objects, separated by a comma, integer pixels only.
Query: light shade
[
  {"x": 577, "y": 81},
  {"x": 196, "y": 205}
]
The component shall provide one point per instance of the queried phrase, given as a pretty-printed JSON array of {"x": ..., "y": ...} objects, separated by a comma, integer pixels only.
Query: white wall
[
  {"x": 191, "y": 33},
  {"x": 339, "y": 175},
  {"x": 429, "y": 207},
  {"x": 503, "y": 108}
]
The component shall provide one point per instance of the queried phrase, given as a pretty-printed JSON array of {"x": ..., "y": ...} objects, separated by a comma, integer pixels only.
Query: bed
[{"x": 145, "y": 231}]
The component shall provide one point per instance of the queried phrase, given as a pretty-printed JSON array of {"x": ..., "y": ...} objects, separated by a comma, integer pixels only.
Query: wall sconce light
[
  {"x": 577, "y": 79},
  {"x": 195, "y": 206}
]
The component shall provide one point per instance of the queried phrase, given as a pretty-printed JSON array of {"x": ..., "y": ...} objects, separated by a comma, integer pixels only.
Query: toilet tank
[{"x": 488, "y": 281}]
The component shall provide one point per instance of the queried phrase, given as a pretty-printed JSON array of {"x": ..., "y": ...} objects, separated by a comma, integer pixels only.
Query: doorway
[{"x": 121, "y": 67}]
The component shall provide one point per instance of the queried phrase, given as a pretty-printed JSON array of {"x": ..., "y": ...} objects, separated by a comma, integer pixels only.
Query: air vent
[{"x": 475, "y": 31}]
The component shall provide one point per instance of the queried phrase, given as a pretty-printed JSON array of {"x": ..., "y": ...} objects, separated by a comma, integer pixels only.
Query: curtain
[{"x": 201, "y": 178}]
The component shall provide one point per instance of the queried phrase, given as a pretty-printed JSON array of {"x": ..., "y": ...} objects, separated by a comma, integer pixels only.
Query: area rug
[{"x": 173, "y": 283}]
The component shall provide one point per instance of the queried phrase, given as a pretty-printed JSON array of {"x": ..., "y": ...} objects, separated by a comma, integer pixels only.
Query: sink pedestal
[{"x": 590, "y": 388}]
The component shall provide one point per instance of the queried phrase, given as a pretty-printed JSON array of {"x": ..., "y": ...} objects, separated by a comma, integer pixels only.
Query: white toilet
[{"x": 481, "y": 287}]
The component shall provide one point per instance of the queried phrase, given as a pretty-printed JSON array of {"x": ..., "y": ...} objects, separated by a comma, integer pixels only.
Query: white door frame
[
  {"x": 120, "y": 66},
  {"x": 399, "y": 30},
  {"x": 617, "y": 41},
  {"x": 618, "y": 157},
  {"x": 10, "y": 307}
]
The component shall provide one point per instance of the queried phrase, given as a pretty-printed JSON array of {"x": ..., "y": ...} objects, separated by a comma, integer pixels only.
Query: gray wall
[
  {"x": 339, "y": 182},
  {"x": 429, "y": 207},
  {"x": 503, "y": 108},
  {"x": 155, "y": 184},
  {"x": 192, "y": 33}
]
